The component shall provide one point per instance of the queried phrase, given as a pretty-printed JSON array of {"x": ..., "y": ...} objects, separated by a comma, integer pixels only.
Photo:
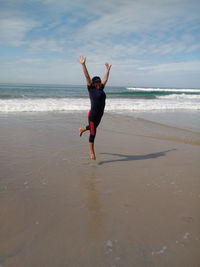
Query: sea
[{"x": 174, "y": 106}]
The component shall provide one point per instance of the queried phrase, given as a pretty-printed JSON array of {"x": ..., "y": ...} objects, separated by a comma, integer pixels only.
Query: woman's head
[{"x": 96, "y": 81}]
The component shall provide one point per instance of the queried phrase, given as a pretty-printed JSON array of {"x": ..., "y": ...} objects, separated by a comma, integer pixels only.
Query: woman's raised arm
[
  {"x": 105, "y": 78},
  {"x": 82, "y": 60}
]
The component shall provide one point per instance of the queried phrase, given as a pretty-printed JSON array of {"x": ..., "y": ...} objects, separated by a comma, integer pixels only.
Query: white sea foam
[
  {"x": 162, "y": 250},
  {"x": 81, "y": 104},
  {"x": 179, "y": 96},
  {"x": 150, "y": 104},
  {"x": 48, "y": 104},
  {"x": 164, "y": 90}
]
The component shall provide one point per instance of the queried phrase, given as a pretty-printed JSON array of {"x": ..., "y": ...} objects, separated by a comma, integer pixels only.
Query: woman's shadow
[{"x": 123, "y": 157}]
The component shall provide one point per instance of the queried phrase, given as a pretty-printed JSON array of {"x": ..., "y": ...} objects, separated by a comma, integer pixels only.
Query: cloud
[
  {"x": 47, "y": 44},
  {"x": 146, "y": 39},
  {"x": 135, "y": 29},
  {"x": 140, "y": 17},
  {"x": 13, "y": 30},
  {"x": 135, "y": 26},
  {"x": 173, "y": 67}
]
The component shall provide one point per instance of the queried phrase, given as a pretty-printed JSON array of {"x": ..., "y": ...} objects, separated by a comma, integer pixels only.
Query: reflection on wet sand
[{"x": 95, "y": 224}]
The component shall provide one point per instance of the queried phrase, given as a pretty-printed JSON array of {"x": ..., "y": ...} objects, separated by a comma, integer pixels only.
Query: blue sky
[{"x": 148, "y": 42}]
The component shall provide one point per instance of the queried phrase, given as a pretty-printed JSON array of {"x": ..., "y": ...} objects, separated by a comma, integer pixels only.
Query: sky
[{"x": 150, "y": 43}]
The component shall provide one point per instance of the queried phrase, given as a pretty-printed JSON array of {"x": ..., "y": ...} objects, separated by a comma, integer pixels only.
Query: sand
[{"x": 137, "y": 205}]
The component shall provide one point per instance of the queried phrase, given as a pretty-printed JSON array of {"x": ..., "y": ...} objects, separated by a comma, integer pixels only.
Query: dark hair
[{"x": 96, "y": 79}]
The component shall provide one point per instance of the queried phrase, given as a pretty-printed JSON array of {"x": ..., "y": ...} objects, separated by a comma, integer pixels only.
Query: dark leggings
[{"x": 94, "y": 120}]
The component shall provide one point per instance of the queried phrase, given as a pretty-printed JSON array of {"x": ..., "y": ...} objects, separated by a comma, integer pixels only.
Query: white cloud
[
  {"x": 47, "y": 44},
  {"x": 156, "y": 23},
  {"x": 13, "y": 30},
  {"x": 139, "y": 16},
  {"x": 173, "y": 67},
  {"x": 130, "y": 34}
]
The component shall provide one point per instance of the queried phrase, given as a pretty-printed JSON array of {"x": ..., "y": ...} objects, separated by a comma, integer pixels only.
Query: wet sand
[{"x": 137, "y": 205}]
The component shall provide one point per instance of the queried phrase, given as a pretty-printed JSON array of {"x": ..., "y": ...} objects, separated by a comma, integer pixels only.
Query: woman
[{"x": 97, "y": 99}]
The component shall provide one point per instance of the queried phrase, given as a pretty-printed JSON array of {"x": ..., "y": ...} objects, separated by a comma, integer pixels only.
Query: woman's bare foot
[
  {"x": 92, "y": 153},
  {"x": 81, "y": 131},
  {"x": 92, "y": 156}
]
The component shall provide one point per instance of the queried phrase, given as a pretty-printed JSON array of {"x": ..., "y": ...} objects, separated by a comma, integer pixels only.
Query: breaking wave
[{"x": 114, "y": 104}]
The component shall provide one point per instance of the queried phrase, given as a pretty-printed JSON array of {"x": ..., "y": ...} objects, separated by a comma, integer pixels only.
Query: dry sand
[{"x": 137, "y": 205}]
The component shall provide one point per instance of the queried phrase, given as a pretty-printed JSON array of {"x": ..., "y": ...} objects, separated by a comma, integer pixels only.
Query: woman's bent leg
[{"x": 84, "y": 129}]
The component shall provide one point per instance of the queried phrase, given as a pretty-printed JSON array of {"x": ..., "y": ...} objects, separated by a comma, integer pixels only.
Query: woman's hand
[
  {"x": 108, "y": 67},
  {"x": 82, "y": 60}
]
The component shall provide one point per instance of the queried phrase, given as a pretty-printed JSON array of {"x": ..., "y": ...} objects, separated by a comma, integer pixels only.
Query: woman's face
[{"x": 97, "y": 85}]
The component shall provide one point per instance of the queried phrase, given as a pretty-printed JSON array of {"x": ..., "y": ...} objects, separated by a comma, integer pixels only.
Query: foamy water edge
[{"x": 116, "y": 104}]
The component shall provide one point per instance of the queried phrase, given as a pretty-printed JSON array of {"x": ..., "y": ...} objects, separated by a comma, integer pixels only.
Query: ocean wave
[
  {"x": 46, "y": 104},
  {"x": 164, "y": 90},
  {"x": 179, "y": 97},
  {"x": 81, "y": 104}
]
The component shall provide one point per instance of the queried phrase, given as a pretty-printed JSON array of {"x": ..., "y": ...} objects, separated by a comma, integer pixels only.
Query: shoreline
[
  {"x": 135, "y": 115},
  {"x": 163, "y": 131}
]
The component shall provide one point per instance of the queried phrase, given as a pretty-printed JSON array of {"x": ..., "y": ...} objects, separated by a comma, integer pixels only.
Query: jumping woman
[{"x": 97, "y": 99}]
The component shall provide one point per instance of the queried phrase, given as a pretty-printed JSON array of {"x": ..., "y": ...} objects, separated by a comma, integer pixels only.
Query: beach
[
  {"x": 99, "y": 133},
  {"x": 136, "y": 205}
]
